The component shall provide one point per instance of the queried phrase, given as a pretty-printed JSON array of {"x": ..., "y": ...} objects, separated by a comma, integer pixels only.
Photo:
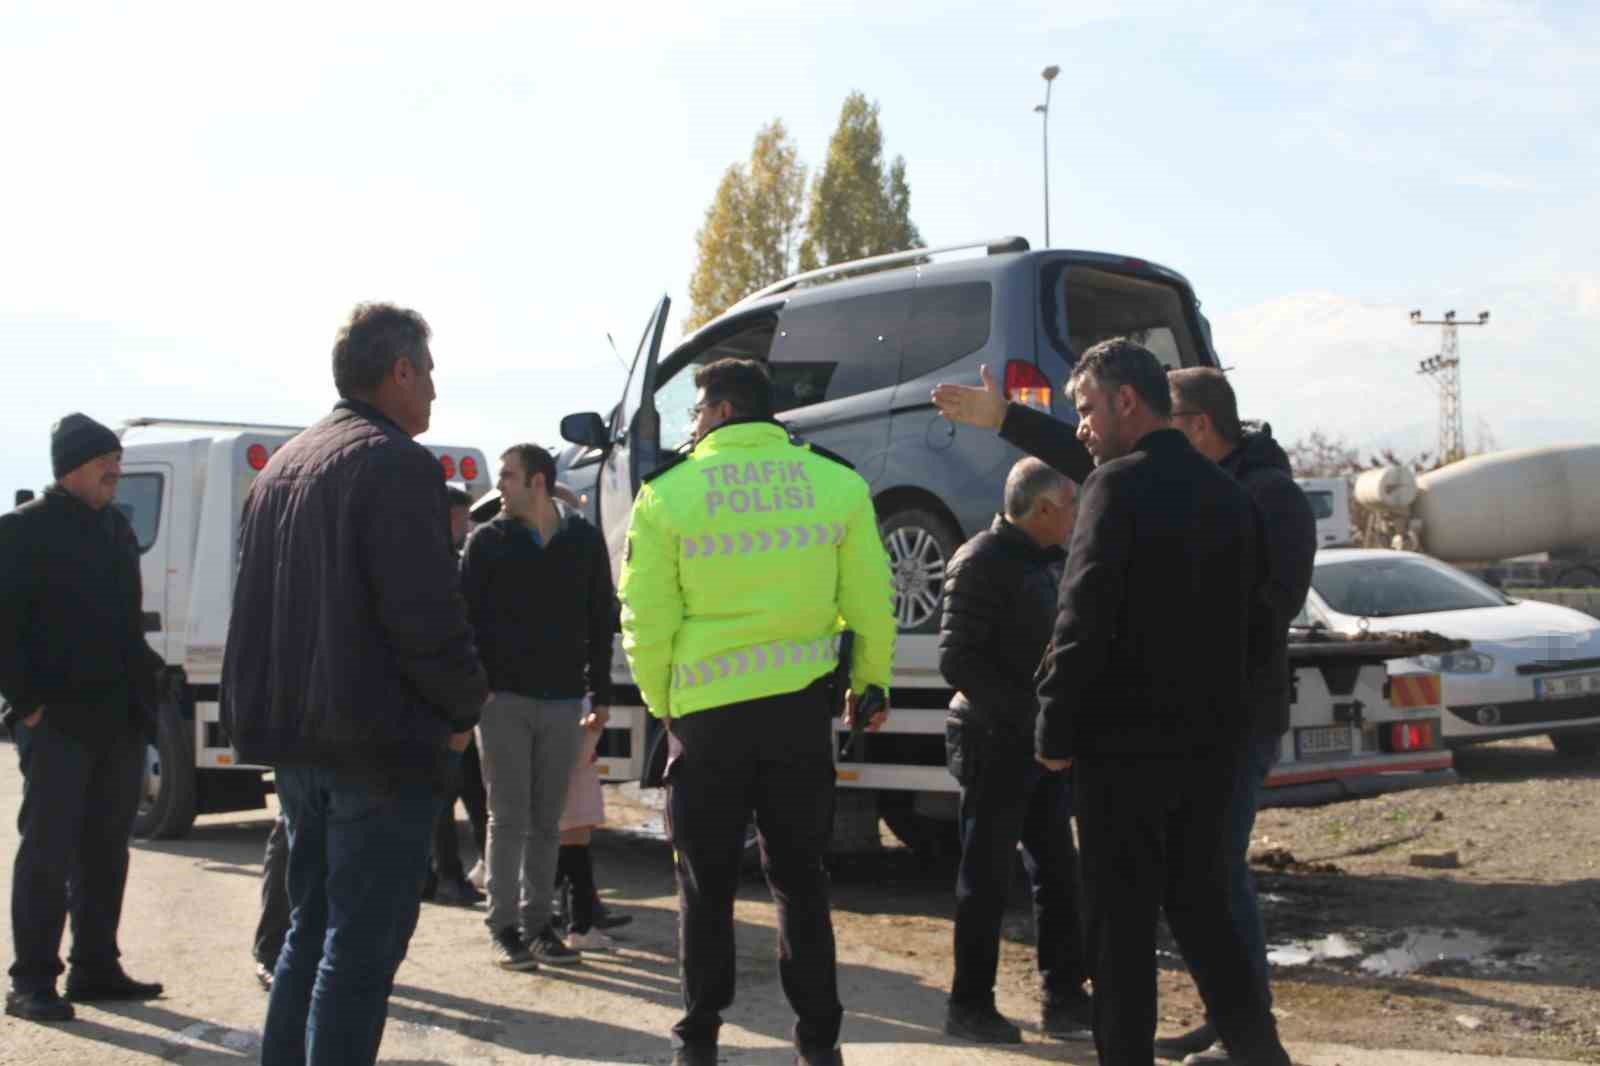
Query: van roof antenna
[{"x": 616, "y": 353}]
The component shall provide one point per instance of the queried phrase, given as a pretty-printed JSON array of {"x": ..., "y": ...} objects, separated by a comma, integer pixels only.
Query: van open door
[{"x": 635, "y": 435}]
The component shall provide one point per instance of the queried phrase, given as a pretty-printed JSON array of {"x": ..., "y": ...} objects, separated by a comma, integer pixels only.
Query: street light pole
[{"x": 1049, "y": 74}]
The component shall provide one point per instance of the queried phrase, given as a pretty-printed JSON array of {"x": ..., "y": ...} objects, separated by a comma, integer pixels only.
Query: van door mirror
[
  {"x": 23, "y": 496},
  {"x": 587, "y": 429}
]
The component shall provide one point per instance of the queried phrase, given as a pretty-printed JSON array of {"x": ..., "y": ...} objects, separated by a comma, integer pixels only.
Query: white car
[{"x": 1532, "y": 668}]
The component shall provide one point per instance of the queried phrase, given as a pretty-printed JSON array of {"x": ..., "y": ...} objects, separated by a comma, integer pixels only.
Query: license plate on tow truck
[{"x": 1323, "y": 740}]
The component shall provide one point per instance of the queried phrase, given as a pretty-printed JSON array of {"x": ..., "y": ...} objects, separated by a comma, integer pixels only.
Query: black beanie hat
[{"x": 75, "y": 440}]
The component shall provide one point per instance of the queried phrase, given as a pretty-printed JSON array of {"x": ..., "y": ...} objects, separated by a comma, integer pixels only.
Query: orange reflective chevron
[{"x": 1416, "y": 690}]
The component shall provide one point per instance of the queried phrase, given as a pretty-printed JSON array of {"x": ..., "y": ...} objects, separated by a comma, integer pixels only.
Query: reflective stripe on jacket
[{"x": 743, "y": 563}]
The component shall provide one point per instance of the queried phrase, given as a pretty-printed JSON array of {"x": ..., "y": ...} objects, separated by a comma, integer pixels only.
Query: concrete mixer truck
[{"x": 1485, "y": 510}]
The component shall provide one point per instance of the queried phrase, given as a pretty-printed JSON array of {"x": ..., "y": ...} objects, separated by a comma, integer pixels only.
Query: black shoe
[
  {"x": 981, "y": 1025},
  {"x": 695, "y": 1055},
  {"x": 1218, "y": 1054},
  {"x": 1179, "y": 1047},
  {"x": 457, "y": 894},
  {"x": 111, "y": 985},
  {"x": 824, "y": 1057},
  {"x": 41, "y": 1006},
  {"x": 548, "y": 949},
  {"x": 264, "y": 976},
  {"x": 510, "y": 953},
  {"x": 606, "y": 918},
  {"x": 1070, "y": 1016}
]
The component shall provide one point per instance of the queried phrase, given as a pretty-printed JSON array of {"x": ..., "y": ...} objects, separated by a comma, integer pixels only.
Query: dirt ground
[
  {"x": 1523, "y": 897},
  {"x": 1496, "y": 953}
]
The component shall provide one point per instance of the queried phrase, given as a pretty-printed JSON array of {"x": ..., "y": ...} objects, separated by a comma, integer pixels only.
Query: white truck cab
[
  {"x": 1330, "y": 504},
  {"x": 183, "y": 488}
]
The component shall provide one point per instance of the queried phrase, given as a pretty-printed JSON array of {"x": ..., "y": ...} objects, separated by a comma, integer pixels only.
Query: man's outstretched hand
[{"x": 985, "y": 407}]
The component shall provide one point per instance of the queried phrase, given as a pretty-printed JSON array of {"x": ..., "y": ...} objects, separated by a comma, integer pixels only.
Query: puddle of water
[
  {"x": 1302, "y": 952},
  {"x": 1423, "y": 946}
]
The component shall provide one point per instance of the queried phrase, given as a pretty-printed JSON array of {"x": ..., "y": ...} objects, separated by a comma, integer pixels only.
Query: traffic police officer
[{"x": 745, "y": 560}]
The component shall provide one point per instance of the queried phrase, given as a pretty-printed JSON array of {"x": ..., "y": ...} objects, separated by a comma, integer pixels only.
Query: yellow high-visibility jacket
[{"x": 744, "y": 562}]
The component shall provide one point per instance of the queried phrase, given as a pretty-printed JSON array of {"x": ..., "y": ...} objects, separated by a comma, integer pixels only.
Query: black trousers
[
  {"x": 1007, "y": 798},
  {"x": 446, "y": 845},
  {"x": 1154, "y": 835},
  {"x": 273, "y": 925},
  {"x": 78, "y": 805},
  {"x": 772, "y": 757}
]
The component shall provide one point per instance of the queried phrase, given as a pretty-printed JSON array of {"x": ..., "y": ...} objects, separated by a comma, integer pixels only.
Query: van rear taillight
[
  {"x": 1026, "y": 384},
  {"x": 257, "y": 455},
  {"x": 469, "y": 468},
  {"x": 448, "y": 465}
]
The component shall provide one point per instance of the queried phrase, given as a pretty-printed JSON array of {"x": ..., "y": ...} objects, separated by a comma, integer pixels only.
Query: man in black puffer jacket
[
  {"x": 1204, "y": 408},
  {"x": 350, "y": 669},
  {"x": 81, "y": 683},
  {"x": 999, "y": 607}
]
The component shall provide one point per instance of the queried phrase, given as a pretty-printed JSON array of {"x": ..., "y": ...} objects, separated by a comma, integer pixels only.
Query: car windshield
[{"x": 1383, "y": 587}]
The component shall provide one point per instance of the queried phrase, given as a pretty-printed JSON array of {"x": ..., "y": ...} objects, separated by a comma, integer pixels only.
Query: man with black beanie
[{"x": 82, "y": 686}]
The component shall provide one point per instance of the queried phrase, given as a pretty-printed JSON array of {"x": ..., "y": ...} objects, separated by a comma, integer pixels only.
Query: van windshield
[
  {"x": 1084, "y": 305},
  {"x": 1321, "y": 501}
]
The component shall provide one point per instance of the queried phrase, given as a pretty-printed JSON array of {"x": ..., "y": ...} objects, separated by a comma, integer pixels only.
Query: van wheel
[
  {"x": 920, "y": 546},
  {"x": 167, "y": 800},
  {"x": 1578, "y": 745}
]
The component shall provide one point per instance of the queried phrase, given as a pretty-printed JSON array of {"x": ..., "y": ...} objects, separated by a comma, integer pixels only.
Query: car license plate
[
  {"x": 1566, "y": 688},
  {"x": 1323, "y": 740}
]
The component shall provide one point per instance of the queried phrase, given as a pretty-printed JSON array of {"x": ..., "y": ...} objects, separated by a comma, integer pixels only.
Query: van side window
[
  {"x": 831, "y": 349},
  {"x": 139, "y": 499},
  {"x": 947, "y": 322},
  {"x": 1100, "y": 304}
]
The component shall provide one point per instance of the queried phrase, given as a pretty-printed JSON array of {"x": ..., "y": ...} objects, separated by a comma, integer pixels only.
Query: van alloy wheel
[{"x": 919, "y": 548}]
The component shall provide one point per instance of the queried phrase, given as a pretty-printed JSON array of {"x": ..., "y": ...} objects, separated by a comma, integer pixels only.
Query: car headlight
[{"x": 1458, "y": 662}]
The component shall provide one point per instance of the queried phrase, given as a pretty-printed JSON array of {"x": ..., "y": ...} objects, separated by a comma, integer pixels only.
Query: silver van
[{"x": 855, "y": 350}]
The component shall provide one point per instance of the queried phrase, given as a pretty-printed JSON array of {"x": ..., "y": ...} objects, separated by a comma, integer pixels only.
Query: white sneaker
[
  {"x": 479, "y": 876},
  {"x": 593, "y": 940}
]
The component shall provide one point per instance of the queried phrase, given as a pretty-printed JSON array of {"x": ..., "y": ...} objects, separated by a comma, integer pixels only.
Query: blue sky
[{"x": 195, "y": 195}]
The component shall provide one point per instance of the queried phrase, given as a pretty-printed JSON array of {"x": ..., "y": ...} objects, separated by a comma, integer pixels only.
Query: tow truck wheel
[
  {"x": 929, "y": 838},
  {"x": 1578, "y": 745},
  {"x": 167, "y": 798}
]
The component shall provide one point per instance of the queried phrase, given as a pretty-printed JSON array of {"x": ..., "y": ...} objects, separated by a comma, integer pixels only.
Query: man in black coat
[
  {"x": 1143, "y": 692},
  {"x": 350, "y": 669},
  {"x": 81, "y": 683},
  {"x": 1205, "y": 409},
  {"x": 999, "y": 606}
]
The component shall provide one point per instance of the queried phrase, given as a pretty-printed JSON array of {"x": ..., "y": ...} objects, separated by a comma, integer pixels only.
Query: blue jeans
[
  {"x": 358, "y": 852},
  {"x": 1260, "y": 755}
]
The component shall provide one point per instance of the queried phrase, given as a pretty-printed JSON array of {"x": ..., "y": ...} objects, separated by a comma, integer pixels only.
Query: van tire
[
  {"x": 167, "y": 792},
  {"x": 1577, "y": 745},
  {"x": 920, "y": 546}
]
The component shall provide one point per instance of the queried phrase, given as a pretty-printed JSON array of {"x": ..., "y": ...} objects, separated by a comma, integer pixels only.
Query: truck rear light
[
  {"x": 448, "y": 465},
  {"x": 1026, "y": 384},
  {"x": 469, "y": 468},
  {"x": 1411, "y": 736},
  {"x": 256, "y": 455}
]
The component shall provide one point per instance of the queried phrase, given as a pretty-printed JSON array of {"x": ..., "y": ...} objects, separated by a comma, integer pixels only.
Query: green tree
[
  {"x": 857, "y": 208},
  {"x": 751, "y": 232}
]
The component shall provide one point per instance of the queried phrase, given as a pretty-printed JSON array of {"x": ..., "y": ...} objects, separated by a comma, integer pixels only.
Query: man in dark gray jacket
[
  {"x": 1204, "y": 408},
  {"x": 999, "y": 606},
  {"x": 350, "y": 669}
]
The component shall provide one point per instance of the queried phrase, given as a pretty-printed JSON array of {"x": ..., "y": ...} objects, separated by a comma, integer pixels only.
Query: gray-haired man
[{"x": 999, "y": 606}]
